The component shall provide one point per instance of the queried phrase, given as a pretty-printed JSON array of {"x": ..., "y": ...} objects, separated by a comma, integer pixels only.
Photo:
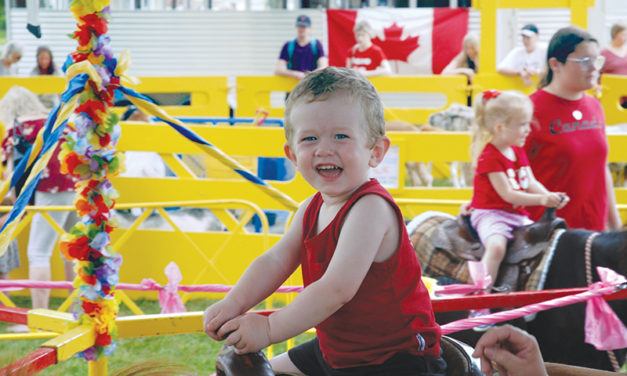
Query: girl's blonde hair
[
  {"x": 491, "y": 108},
  {"x": 363, "y": 26}
]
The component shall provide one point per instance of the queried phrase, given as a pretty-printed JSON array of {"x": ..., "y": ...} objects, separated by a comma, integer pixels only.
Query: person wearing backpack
[{"x": 301, "y": 55}]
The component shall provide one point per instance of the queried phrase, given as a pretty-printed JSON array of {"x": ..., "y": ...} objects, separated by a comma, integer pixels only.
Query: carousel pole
[{"x": 89, "y": 155}]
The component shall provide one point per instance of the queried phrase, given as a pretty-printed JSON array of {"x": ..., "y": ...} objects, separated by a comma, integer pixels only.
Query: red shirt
[
  {"x": 492, "y": 160},
  {"x": 52, "y": 180},
  {"x": 390, "y": 313},
  {"x": 370, "y": 59},
  {"x": 567, "y": 151},
  {"x": 614, "y": 64}
]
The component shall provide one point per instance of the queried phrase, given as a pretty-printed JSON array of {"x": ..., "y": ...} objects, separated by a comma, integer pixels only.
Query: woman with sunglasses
[{"x": 567, "y": 148}]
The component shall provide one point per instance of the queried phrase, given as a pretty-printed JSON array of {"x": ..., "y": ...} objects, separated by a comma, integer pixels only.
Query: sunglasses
[{"x": 589, "y": 62}]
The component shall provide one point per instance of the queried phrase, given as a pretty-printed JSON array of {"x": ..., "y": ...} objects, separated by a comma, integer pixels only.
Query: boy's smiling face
[{"x": 330, "y": 145}]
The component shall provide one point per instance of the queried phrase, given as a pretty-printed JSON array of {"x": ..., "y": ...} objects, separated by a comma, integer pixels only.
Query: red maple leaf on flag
[{"x": 393, "y": 46}]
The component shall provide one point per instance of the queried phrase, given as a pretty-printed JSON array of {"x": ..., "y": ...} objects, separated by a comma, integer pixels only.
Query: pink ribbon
[
  {"x": 146, "y": 285},
  {"x": 479, "y": 275},
  {"x": 169, "y": 299},
  {"x": 603, "y": 329}
]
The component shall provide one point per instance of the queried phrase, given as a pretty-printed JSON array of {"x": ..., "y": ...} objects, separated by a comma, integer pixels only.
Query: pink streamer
[
  {"x": 146, "y": 285},
  {"x": 604, "y": 330},
  {"x": 479, "y": 275},
  {"x": 169, "y": 298},
  {"x": 515, "y": 313}
]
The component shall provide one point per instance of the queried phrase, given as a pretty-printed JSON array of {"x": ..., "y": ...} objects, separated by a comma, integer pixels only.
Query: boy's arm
[
  {"x": 520, "y": 198},
  {"x": 369, "y": 222},
  {"x": 262, "y": 277}
]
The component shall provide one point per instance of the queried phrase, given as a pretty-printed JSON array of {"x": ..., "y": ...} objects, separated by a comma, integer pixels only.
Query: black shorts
[{"x": 307, "y": 357}]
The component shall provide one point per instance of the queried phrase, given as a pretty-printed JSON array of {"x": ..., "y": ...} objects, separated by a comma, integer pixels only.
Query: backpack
[{"x": 313, "y": 43}]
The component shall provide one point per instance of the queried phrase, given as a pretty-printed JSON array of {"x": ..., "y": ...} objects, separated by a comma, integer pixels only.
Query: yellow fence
[
  {"x": 221, "y": 256},
  {"x": 208, "y": 95},
  {"x": 254, "y": 93}
]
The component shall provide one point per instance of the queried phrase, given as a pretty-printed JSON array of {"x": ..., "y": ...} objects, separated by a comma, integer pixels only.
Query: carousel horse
[
  {"x": 456, "y": 354},
  {"x": 543, "y": 255}
]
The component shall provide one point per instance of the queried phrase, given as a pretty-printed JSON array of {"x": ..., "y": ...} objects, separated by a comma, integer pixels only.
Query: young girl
[
  {"x": 503, "y": 183},
  {"x": 366, "y": 57}
]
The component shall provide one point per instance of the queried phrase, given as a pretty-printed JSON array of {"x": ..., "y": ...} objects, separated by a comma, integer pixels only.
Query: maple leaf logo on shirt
[{"x": 393, "y": 46}]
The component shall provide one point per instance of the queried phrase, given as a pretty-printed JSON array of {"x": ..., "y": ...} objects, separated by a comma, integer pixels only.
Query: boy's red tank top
[{"x": 390, "y": 313}]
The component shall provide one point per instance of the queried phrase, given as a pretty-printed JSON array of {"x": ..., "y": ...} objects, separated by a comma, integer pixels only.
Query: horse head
[{"x": 229, "y": 363}]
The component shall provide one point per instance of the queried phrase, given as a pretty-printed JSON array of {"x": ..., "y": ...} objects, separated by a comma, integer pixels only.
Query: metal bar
[
  {"x": 31, "y": 363},
  {"x": 73, "y": 341},
  {"x": 499, "y": 300},
  {"x": 15, "y": 315},
  {"x": 514, "y": 299}
]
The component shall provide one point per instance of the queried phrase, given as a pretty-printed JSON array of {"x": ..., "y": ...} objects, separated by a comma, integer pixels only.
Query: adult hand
[
  {"x": 217, "y": 314},
  {"x": 247, "y": 333},
  {"x": 510, "y": 351}
]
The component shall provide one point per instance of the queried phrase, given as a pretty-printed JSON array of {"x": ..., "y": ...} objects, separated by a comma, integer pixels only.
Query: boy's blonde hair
[
  {"x": 363, "y": 26},
  {"x": 491, "y": 108},
  {"x": 322, "y": 84}
]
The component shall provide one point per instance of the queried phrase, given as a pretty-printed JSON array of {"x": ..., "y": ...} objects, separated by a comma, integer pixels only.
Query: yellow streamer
[
  {"x": 152, "y": 109},
  {"x": 84, "y": 67},
  {"x": 124, "y": 62}
]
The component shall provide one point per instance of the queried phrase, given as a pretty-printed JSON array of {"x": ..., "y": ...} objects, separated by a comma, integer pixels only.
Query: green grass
[{"x": 194, "y": 350}]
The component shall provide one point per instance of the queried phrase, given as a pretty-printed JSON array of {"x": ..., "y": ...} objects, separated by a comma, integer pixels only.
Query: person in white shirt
[{"x": 528, "y": 60}]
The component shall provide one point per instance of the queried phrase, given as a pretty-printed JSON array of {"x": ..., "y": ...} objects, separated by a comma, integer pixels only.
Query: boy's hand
[
  {"x": 247, "y": 333},
  {"x": 216, "y": 315}
]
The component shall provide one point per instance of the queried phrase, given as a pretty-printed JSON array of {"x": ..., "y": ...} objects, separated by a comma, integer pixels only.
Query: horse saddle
[
  {"x": 456, "y": 354},
  {"x": 524, "y": 252}
]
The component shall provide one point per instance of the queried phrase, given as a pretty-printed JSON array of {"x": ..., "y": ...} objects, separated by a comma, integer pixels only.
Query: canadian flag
[{"x": 415, "y": 41}]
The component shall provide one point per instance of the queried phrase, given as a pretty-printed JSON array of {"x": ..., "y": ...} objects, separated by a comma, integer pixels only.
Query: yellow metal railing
[
  {"x": 268, "y": 142},
  {"x": 204, "y": 257}
]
